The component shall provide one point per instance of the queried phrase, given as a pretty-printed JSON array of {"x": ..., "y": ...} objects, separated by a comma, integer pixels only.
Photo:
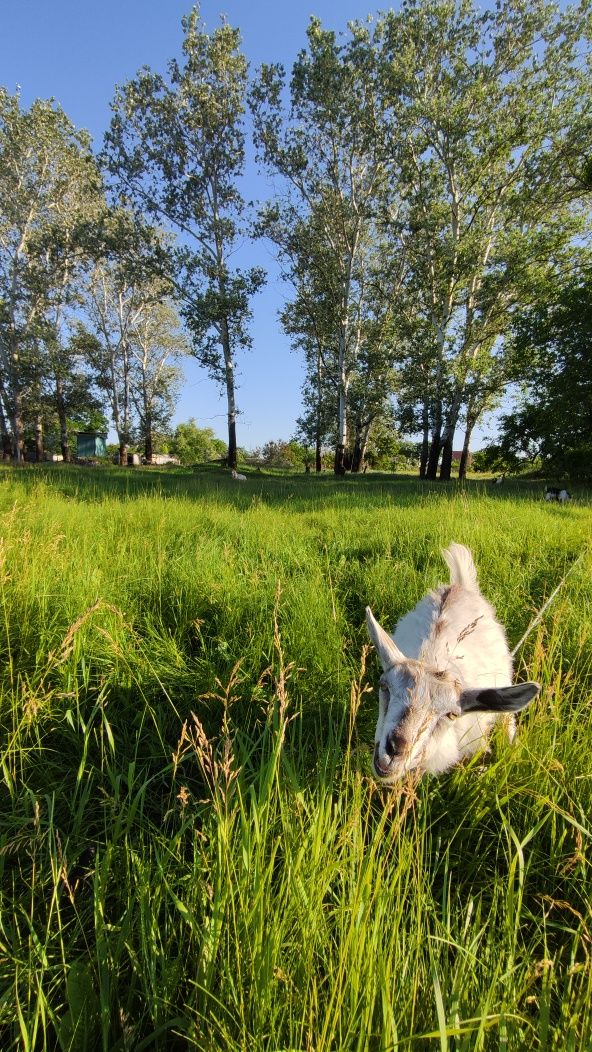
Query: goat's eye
[{"x": 452, "y": 715}]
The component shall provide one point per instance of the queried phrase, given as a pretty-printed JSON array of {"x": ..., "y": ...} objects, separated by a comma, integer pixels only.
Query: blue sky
[{"x": 77, "y": 52}]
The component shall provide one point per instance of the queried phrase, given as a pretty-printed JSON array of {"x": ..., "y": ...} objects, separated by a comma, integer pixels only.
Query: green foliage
[
  {"x": 176, "y": 147},
  {"x": 195, "y": 445},
  {"x": 385, "y": 449},
  {"x": 50, "y": 192},
  {"x": 192, "y": 852},
  {"x": 499, "y": 459},
  {"x": 432, "y": 165},
  {"x": 554, "y": 421},
  {"x": 328, "y": 226},
  {"x": 280, "y": 454}
]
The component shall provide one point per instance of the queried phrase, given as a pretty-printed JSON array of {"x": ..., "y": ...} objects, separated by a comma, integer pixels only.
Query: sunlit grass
[{"x": 192, "y": 852}]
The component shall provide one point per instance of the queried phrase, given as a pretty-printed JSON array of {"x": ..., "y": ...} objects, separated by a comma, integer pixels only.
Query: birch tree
[
  {"x": 48, "y": 183},
  {"x": 156, "y": 346},
  {"x": 113, "y": 309}
]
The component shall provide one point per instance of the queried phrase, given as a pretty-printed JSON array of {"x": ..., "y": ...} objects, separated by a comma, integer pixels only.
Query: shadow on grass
[{"x": 211, "y": 483}]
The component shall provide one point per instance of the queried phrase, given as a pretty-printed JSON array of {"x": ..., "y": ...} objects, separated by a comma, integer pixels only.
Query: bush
[{"x": 194, "y": 445}]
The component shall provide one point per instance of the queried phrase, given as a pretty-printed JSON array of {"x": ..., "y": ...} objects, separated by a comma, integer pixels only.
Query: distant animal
[
  {"x": 560, "y": 495},
  {"x": 446, "y": 679},
  {"x": 239, "y": 478}
]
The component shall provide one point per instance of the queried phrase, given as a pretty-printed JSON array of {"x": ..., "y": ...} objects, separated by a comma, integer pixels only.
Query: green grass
[{"x": 192, "y": 851}]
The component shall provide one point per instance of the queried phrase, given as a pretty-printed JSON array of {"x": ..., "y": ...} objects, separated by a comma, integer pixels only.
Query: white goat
[
  {"x": 560, "y": 495},
  {"x": 447, "y": 675},
  {"x": 238, "y": 478}
]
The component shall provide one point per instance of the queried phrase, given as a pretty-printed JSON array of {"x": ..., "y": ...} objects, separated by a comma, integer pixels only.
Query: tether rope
[{"x": 548, "y": 602}]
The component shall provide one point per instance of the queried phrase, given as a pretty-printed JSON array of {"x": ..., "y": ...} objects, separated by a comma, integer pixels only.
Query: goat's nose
[
  {"x": 395, "y": 745},
  {"x": 380, "y": 766},
  {"x": 393, "y": 748}
]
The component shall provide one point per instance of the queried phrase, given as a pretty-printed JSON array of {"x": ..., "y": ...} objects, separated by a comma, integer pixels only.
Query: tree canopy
[{"x": 429, "y": 213}]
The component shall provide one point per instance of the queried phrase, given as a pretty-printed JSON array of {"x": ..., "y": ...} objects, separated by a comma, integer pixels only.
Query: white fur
[
  {"x": 553, "y": 493},
  {"x": 450, "y": 643},
  {"x": 239, "y": 478}
]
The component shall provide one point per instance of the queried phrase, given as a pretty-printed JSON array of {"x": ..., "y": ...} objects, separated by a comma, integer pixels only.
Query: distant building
[
  {"x": 456, "y": 457},
  {"x": 164, "y": 458},
  {"x": 91, "y": 444}
]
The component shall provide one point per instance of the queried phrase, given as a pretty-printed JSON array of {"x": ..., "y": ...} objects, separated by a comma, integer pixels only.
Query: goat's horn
[{"x": 386, "y": 648}]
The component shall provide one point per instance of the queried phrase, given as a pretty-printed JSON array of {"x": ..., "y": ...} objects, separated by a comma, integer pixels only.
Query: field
[{"x": 192, "y": 851}]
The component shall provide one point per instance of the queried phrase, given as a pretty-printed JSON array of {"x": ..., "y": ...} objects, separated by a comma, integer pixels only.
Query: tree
[
  {"x": 176, "y": 150},
  {"x": 134, "y": 337},
  {"x": 495, "y": 458},
  {"x": 479, "y": 113},
  {"x": 155, "y": 344},
  {"x": 114, "y": 307},
  {"x": 49, "y": 188},
  {"x": 194, "y": 445},
  {"x": 554, "y": 418},
  {"x": 326, "y": 228}
]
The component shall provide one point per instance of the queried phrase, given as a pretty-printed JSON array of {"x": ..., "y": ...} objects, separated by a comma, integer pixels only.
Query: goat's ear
[
  {"x": 499, "y": 699},
  {"x": 386, "y": 648}
]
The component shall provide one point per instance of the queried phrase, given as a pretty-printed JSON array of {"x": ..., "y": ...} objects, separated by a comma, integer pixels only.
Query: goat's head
[{"x": 417, "y": 702}]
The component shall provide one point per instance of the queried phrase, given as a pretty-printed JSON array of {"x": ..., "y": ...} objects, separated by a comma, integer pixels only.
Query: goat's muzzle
[{"x": 384, "y": 764}]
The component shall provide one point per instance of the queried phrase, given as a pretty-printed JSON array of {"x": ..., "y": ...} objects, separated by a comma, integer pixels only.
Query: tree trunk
[
  {"x": 123, "y": 453},
  {"x": 16, "y": 411},
  {"x": 230, "y": 395},
  {"x": 63, "y": 422},
  {"x": 448, "y": 438},
  {"x": 148, "y": 447},
  {"x": 465, "y": 455},
  {"x": 357, "y": 456},
  {"x": 425, "y": 442},
  {"x": 18, "y": 431},
  {"x": 39, "y": 451},
  {"x": 4, "y": 433},
  {"x": 148, "y": 442},
  {"x": 318, "y": 453},
  {"x": 360, "y": 446},
  {"x": 147, "y": 411},
  {"x": 126, "y": 402},
  {"x": 436, "y": 443},
  {"x": 318, "y": 417},
  {"x": 339, "y": 461},
  {"x": 446, "y": 465}
]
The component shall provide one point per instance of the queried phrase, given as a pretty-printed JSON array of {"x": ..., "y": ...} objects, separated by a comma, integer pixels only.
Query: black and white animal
[
  {"x": 446, "y": 678},
  {"x": 560, "y": 495}
]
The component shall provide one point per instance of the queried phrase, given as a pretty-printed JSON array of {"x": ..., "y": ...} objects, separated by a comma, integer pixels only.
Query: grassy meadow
[{"x": 193, "y": 854}]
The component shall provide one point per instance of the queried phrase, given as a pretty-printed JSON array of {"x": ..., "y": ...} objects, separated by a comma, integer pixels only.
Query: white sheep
[
  {"x": 447, "y": 675},
  {"x": 238, "y": 478}
]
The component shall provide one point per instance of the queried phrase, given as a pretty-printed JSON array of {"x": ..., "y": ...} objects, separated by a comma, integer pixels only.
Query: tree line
[{"x": 433, "y": 175}]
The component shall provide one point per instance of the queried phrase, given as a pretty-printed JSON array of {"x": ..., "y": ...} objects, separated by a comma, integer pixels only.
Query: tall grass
[{"x": 192, "y": 852}]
